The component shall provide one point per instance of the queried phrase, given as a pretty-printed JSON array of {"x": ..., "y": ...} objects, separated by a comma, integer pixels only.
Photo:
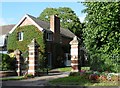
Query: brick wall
[{"x": 26, "y": 22}]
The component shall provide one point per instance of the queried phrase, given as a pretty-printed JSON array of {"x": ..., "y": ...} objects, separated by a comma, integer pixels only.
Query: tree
[
  {"x": 68, "y": 18},
  {"x": 102, "y": 34}
]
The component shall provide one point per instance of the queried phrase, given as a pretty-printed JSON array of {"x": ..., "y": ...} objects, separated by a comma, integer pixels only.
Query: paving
[
  {"x": 42, "y": 82},
  {"x": 36, "y": 81}
]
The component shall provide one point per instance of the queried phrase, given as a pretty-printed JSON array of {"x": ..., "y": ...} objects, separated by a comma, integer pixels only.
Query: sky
[{"x": 12, "y": 12}]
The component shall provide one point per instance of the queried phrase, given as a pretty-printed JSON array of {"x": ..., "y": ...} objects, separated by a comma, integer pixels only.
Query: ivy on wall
[{"x": 29, "y": 32}]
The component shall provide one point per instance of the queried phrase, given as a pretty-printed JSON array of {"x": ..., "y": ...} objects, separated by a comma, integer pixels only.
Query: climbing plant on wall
[{"x": 29, "y": 32}]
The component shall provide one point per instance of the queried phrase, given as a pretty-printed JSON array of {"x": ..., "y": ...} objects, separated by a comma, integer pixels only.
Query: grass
[
  {"x": 12, "y": 78},
  {"x": 77, "y": 80},
  {"x": 65, "y": 69},
  {"x": 69, "y": 69}
]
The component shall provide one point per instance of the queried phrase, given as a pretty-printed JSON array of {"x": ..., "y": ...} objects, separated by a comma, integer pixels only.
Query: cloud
[{"x": 81, "y": 18}]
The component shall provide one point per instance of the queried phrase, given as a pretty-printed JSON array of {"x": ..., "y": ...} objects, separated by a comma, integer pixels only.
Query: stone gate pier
[
  {"x": 75, "y": 54},
  {"x": 18, "y": 62},
  {"x": 33, "y": 57}
]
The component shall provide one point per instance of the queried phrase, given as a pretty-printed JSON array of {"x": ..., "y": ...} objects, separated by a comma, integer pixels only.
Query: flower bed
[{"x": 95, "y": 76}]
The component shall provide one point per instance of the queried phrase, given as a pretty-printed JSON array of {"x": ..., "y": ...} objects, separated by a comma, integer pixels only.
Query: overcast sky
[{"x": 12, "y": 12}]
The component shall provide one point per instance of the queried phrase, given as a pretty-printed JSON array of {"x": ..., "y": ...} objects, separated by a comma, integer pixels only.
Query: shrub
[
  {"x": 86, "y": 74},
  {"x": 7, "y": 62},
  {"x": 85, "y": 68},
  {"x": 30, "y": 76},
  {"x": 74, "y": 74},
  {"x": 10, "y": 50},
  {"x": 94, "y": 78}
]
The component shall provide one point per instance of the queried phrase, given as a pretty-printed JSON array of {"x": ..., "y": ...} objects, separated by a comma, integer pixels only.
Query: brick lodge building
[{"x": 56, "y": 38}]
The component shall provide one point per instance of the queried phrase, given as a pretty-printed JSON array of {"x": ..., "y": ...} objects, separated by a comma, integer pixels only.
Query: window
[
  {"x": 68, "y": 56},
  {"x": 49, "y": 37},
  {"x": 20, "y": 36}
]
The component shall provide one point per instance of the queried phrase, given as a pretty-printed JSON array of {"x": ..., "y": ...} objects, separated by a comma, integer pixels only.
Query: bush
[
  {"x": 85, "y": 68},
  {"x": 74, "y": 74},
  {"x": 29, "y": 76},
  {"x": 7, "y": 63},
  {"x": 94, "y": 78},
  {"x": 10, "y": 50},
  {"x": 86, "y": 74}
]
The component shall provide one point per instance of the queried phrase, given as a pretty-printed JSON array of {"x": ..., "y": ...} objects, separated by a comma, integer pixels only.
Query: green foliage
[
  {"x": 58, "y": 55},
  {"x": 68, "y": 18},
  {"x": 70, "y": 80},
  {"x": 84, "y": 79},
  {"x": 85, "y": 68},
  {"x": 102, "y": 35},
  {"x": 29, "y": 32},
  {"x": 7, "y": 63},
  {"x": 65, "y": 69},
  {"x": 30, "y": 76},
  {"x": 80, "y": 81},
  {"x": 12, "y": 78},
  {"x": 42, "y": 64}
]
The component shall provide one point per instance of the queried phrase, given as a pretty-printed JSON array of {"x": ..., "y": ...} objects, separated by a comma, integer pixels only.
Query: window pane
[
  {"x": 20, "y": 36},
  {"x": 49, "y": 36}
]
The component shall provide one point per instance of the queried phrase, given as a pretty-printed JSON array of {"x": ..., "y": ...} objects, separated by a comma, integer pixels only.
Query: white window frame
[
  {"x": 20, "y": 36},
  {"x": 49, "y": 36}
]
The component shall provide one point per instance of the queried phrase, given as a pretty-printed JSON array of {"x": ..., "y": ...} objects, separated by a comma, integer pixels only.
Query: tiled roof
[
  {"x": 46, "y": 26},
  {"x": 5, "y": 29},
  {"x": 41, "y": 23}
]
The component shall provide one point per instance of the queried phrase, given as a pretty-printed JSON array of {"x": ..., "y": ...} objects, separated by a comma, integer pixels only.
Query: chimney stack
[
  {"x": 55, "y": 24},
  {"x": 55, "y": 28}
]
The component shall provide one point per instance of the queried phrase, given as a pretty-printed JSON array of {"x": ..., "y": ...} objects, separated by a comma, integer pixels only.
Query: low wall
[{"x": 7, "y": 73}]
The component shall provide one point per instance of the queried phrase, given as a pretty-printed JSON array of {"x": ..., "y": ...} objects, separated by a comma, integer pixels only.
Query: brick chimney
[
  {"x": 55, "y": 28},
  {"x": 55, "y": 24}
]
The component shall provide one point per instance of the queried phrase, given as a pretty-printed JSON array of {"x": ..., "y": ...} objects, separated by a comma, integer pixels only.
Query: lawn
[
  {"x": 17, "y": 77},
  {"x": 77, "y": 80},
  {"x": 65, "y": 69},
  {"x": 12, "y": 78}
]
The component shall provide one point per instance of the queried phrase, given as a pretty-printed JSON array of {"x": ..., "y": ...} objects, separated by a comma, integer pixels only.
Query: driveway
[
  {"x": 33, "y": 82},
  {"x": 42, "y": 82}
]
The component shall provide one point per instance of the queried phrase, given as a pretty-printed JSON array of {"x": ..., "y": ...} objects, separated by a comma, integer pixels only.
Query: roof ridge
[
  {"x": 62, "y": 30},
  {"x": 36, "y": 18},
  {"x": 44, "y": 21}
]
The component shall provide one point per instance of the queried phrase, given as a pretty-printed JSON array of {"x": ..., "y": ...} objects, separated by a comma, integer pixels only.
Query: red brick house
[{"x": 53, "y": 34}]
